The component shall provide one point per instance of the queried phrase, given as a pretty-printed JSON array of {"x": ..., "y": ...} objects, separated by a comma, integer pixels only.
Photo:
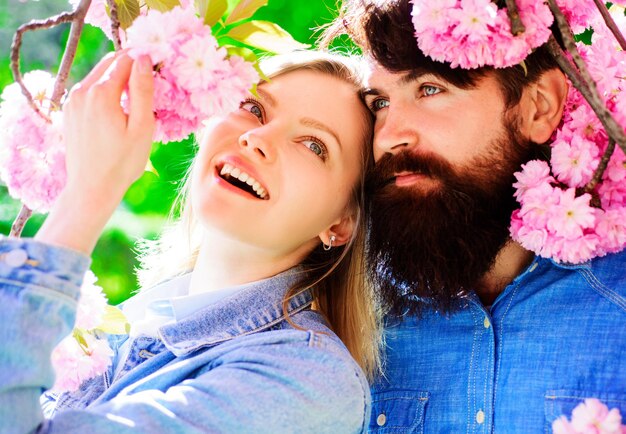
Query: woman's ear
[
  {"x": 341, "y": 231},
  {"x": 545, "y": 109}
]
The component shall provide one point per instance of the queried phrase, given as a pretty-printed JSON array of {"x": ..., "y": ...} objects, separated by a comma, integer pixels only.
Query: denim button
[
  {"x": 480, "y": 416},
  {"x": 381, "y": 420},
  {"x": 486, "y": 323},
  {"x": 15, "y": 258}
]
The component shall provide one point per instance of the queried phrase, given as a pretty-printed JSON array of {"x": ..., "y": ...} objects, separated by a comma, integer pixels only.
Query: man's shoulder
[{"x": 606, "y": 276}]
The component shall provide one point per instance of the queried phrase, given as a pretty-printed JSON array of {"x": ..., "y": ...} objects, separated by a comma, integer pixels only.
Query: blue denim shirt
[
  {"x": 555, "y": 335},
  {"x": 234, "y": 366}
]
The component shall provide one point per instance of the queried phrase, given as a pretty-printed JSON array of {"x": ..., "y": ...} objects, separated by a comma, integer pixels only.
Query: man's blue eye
[
  {"x": 430, "y": 90},
  {"x": 379, "y": 104}
]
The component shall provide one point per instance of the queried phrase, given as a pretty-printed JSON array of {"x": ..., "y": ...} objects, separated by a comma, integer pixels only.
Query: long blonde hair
[{"x": 336, "y": 278}]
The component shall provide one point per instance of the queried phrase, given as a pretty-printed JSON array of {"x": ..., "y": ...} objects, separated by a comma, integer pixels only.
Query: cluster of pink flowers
[
  {"x": 590, "y": 417},
  {"x": 83, "y": 355},
  {"x": 553, "y": 221},
  {"x": 194, "y": 78},
  {"x": 475, "y": 33},
  {"x": 32, "y": 155}
]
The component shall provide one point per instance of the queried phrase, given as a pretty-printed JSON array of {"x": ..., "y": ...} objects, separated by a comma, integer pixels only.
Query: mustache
[{"x": 386, "y": 168}]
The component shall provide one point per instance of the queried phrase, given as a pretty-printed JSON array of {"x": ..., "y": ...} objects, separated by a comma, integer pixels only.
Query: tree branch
[
  {"x": 20, "y": 221},
  {"x": 604, "y": 162},
  {"x": 517, "y": 27},
  {"x": 582, "y": 79},
  {"x": 115, "y": 25},
  {"x": 78, "y": 22},
  {"x": 610, "y": 23},
  {"x": 64, "y": 17}
]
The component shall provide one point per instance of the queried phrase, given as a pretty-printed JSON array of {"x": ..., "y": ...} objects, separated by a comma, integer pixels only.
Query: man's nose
[
  {"x": 259, "y": 145},
  {"x": 395, "y": 131}
]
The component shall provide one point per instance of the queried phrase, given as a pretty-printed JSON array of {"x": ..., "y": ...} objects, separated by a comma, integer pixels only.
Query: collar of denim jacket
[{"x": 254, "y": 307}]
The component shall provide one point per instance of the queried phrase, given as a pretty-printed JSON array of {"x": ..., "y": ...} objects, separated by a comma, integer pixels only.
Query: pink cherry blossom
[
  {"x": 593, "y": 417},
  {"x": 194, "y": 78},
  {"x": 572, "y": 215},
  {"x": 74, "y": 364},
  {"x": 563, "y": 426},
  {"x": 590, "y": 417},
  {"x": 533, "y": 174},
  {"x": 32, "y": 155},
  {"x": 472, "y": 33},
  {"x": 91, "y": 304},
  {"x": 574, "y": 161}
]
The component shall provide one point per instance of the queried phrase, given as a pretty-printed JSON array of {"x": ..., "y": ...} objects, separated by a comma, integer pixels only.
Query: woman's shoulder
[{"x": 315, "y": 364}]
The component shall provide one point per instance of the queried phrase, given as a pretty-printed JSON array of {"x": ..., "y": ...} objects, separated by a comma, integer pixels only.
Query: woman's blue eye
[
  {"x": 316, "y": 147},
  {"x": 253, "y": 107}
]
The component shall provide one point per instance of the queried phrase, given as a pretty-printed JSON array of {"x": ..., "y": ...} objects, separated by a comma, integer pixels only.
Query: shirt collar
[{"x": 250, "y": 308}]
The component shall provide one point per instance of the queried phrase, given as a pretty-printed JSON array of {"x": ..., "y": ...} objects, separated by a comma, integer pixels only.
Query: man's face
[
  {"x": 423, "y": 113},
  {"x": 442, "y": 187}
]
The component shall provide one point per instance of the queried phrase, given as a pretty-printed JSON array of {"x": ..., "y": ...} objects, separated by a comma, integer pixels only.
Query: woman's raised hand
[{"x": 107, "y": 149}]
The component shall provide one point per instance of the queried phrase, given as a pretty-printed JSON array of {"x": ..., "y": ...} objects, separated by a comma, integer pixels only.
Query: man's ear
[
  {"x": 544, "y": 111},
  {"x": 341, "y": 231}
]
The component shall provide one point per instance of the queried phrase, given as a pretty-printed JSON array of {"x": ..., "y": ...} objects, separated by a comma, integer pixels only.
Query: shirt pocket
[
  {"x": 398, "y": 411},
  {"x": 561, "y": 403}
]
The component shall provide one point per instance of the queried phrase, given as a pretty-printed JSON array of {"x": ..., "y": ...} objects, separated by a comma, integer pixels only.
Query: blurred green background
[{"x": 147, "y": 203}]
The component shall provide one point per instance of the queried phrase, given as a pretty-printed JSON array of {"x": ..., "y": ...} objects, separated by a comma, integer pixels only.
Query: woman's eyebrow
[
  {"x": 267, "y": 97},
  {"x": 310, "y": 122}
]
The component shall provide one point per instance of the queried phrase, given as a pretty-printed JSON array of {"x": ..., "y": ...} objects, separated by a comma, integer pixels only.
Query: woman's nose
[{"x": 259, "y": 145}]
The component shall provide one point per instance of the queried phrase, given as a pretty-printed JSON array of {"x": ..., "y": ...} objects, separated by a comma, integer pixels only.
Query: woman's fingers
[
  {"x": 97, "y": 72},
  {"x": 141, "y": 94}
]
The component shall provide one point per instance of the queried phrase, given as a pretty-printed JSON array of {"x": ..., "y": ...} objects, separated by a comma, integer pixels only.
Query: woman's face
[{"x": 280, "y": 171}]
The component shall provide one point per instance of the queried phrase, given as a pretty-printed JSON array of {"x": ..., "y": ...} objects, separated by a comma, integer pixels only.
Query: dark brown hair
[{"x": 384, "y": 31}]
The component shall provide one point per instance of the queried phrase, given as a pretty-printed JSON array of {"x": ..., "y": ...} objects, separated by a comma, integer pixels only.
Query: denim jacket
[
  {"x": 234, "y": 366},
  {"x": 554, "y": 336}
]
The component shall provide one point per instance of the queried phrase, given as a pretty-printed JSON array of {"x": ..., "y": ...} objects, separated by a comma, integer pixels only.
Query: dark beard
[{"x": 432, "y": 247}]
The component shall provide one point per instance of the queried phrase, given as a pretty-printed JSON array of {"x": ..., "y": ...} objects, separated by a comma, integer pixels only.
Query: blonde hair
[{"x": 337, "y": 278}]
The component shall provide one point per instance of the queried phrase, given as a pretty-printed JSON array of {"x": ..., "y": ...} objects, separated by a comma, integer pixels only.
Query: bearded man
[{"x": 481, "y": 336}]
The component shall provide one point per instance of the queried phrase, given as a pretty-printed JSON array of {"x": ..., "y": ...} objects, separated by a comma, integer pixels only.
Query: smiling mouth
[{"x": 243, "y": 181}]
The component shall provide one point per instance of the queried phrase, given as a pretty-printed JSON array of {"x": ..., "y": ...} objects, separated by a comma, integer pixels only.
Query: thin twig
[
  {"x": 610, "y": 23},
  {"x": 590, "y": 90},
  {"x": 517, "y": 27},
  {"x": 20, "y": 221},
  {"x": 115, "y": 25},
  {"x": 70, "y": 51},
  {"x": 64, "y": 17},
  {"x": 597, "y": 175}
]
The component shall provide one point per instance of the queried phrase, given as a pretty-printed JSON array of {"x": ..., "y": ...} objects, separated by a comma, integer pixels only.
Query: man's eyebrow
[
  {"x": 407, "y": 78},
  {"x": 310, "y": 122},
  {"x": 266, "y": 97}
]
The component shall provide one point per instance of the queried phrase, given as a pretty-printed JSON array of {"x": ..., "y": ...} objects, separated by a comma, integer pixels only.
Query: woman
[{"x": 271, "y": 230}]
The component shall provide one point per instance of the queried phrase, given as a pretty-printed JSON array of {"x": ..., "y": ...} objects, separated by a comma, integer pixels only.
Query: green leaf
[
  {"x": 243, "y": 52},
  {"x": 211, "y": 10},
  {"x": 245, "y": 9},
  {"x": 78, "y": 335},
  {"x": 114, "y": 322},
  {"x": 127, "y": 11},
  {"x": 162, "y": 5},
  {"x": 265, "y": 35}
]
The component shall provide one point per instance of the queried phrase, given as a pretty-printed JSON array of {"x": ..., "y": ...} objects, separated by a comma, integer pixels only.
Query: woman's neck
[{"x": 224, "y": 262}]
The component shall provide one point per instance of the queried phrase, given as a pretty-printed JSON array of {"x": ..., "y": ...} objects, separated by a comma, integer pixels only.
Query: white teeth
[{"x": 236, "y": 172}]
